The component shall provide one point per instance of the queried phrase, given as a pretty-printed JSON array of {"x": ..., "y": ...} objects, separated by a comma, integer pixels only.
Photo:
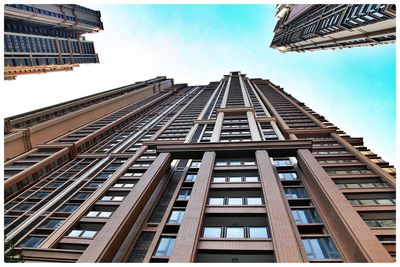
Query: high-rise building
[
  {"x": 317, "y": 27},
  {"x": 43, "y": 38},
  {"x": 234, "y": 171}
]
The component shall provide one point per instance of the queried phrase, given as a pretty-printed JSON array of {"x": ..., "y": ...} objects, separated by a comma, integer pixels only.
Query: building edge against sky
[
  {"x": 234, "y": 171},
  {"x": 307, "y": 27},
  {"x": 44, "y": 38}
]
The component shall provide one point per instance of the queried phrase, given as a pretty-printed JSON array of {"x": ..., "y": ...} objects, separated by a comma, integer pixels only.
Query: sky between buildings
[{"x": 353, "y": 88}]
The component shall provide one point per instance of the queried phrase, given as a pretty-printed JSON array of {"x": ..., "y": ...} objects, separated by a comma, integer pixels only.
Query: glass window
[
  {"x": 92, "y": 213},
  {"x": 216, "y": 201},
  {"x": 221, "y": 163},
  {"x": 54, "y": 185},
  {"x": 254, "y": 201},
  {"x": 68, "y": 208},
  {"x": 195, "y": 164},
  {"x": 320, "y": 248},
  {"x": 234, "y": 232},
  {"x": 184, "y": 194},
  {"x": 176, "y": 217},
  {"x": 51, "y": 224},
  {"x": 81, "y": 196},
  {"x": 251, "y": 178},
  {"x": 235, "y": 201},
  {"x": 212, "y": 232},
  {"x": 165, "y": 247},
  {"x": 306, "y": 216},
  {"x": 235, "y": 179},
  {"x": 94, "y": 185},
  {"x": 296, "y": 192},
  {"x": 219, "y": 179},
  {"x": 258, "y": 232},
  {"x": 235, "y": 163},
  {"x": 75, "y": 233},
  {"x": 24, "y": 206},
  {"x": 88, "y": 234},
  {"x": 31, "y": 242},
  {"x": 386, "y": 201},
  {"x": 282, "y": 162},
  {"x": 191, "y": 177},
  {"x": 287, "y": 176},
  {"x": 105, "y": 214}
]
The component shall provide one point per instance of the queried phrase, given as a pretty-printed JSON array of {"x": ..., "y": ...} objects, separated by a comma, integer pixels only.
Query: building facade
[
  {"x": 43, "y": 38},
  {"x": 317, "y": 27},
  {"x": 234, "y": 171}
]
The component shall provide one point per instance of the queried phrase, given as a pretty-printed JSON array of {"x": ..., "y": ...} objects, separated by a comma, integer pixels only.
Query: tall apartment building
[
  {"x": 44, "y": 38},
  {"x": 317, "y": 27},
  {"x": 234, "y": 171}
]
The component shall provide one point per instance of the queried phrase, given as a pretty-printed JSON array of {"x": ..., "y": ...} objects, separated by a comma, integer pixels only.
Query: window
[
  {"x": 191, "y": 177},
  {"x": 40, "y": 194},
  {"x": 51, "y": 224},
  {"x": 54, "y": 185},
  {"x": 219, "y": 179},
  {"x": 81, "y": 196},
  {"x": 254, "y": 201},
  {"x": 82, "y": 233},
  {"x": 103, "y": 176},
  {"x": 24, "y": 206},
  {"x": 31, "y": 242},
  {"x": 258, "y": 232},
  {"x": 68, "y": 208},
  {"x": 124, "y": 185},
  {"x": 165, "y": 247},
  {"x": 184, "y": 194},
  {"x": 195, "y": 164},
  {"x": 216, "y": 201},
  {"x": 235, "y": 201},
  {"x": 102, "y": 214},
  {"x": 296, "y": 192},
  {"x": 306, "y": 216},
  {"x": 112, "y": 198},
  {"x": 8, "y": 220},
  {"x": 251, "y": 179},
  {"x": 221, "y": 163},
  {"x": 287, "y": 176},
  {"x": 93, "y": 185},
  {"x": 176, "y": 217},
  {"x": 357, "y": 202},
  {"x": 235, "y": 179},
  {"x": 212, "y": 232},
  {"x": 234, "y": 232},
  {"x": 380, "y": 222},
  {"x": 320, "y": 248},
  {"x": 282, "y": 162}
]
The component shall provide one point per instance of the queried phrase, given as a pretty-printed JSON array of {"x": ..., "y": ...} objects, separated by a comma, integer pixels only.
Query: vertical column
[
  {"x": 217, "y": 127},
  {"x": 255, "y": 134},
  {"x": 189, "y": 231},
  {"x": 356, "y": 241},
  {"x": 287, "y": 247}
]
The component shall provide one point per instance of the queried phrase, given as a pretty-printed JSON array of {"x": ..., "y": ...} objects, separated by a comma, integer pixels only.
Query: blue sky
[{"x": 353, "y": 88}]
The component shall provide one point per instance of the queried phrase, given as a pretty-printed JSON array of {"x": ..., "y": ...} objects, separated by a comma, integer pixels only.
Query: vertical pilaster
[
  {"x": 287, "y": 247},
  {"x": 255, "y": 134},
  {"x": 190, "y": 229}
]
